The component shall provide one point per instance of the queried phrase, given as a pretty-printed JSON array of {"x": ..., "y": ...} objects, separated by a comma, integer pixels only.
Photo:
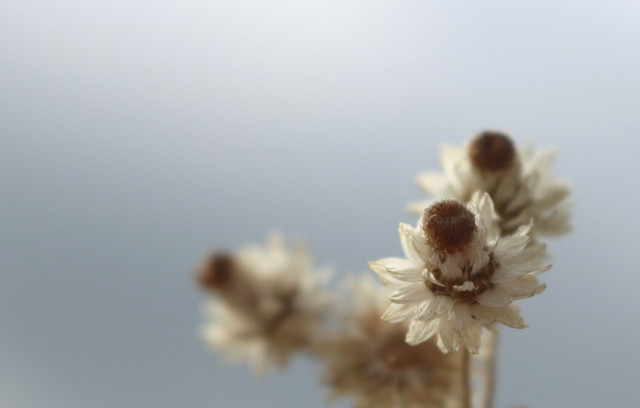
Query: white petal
[
  {"x": 447, "y": 338},
  {"x": 553, "y": 195},
  {"x": 494, "y": 298},
  {"x": 520, "y": 200},
  {"x": 413, "y": 244},
  {"x": 418, "y": 207},
  {"x": 433, "y": 308},
  {"x": 524, "y": 229},
  {"x": 412, "y": 293},
  {"x": 420, "y": 331},
  {"x": 396, "y": 313},
  {"x": 508, "y": 315},
  {"x": 522, "y": 287},
  {"x": 543, "y": 158},
  {"x": 459, "y": 317},
  {"x": 472, "y": 336},
  {"x": 449, "y": 156},
  {"x": 451, "y": 160},
  {"x": 435, "y": 184},
  {"x": 522, "y": 218},
  {"x": 397, "y": 268},
  {"x": 508, "y": 184},
  {"x": 502, "y": 274},
  {"x": 555, "y": 223},
  {"x": 529, "y": 259},
  {"x": 507, "y": 273},
  {"x": 486, "y": 210},
  {"x": 510, "y": 246}
]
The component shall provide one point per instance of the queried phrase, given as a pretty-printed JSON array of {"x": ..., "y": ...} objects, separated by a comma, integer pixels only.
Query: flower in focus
[
  {"x": 369, "y": 359},
  {"x": 518, "y": 181},
  {"x": 268, "y": 303},
  {"x": 459, "y": 275}
]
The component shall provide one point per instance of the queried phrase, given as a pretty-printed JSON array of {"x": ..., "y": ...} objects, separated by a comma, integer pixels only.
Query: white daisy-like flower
[
  {"x": 518, "y": 180},
  {"x": 270, "y": 303},
  {"x": 368, "y": 359},
  {"x": 459, "y": 276}
]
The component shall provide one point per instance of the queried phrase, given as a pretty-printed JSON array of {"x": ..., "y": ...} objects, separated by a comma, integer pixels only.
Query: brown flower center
[
  {"x": 491, "y": 151},
  {"x": 448, "y": 225},
  {"x": 481, "y": 282},
  {"x": 215, "y": 272}
]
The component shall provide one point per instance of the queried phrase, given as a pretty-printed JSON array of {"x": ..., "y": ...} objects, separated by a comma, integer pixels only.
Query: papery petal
[
  {"x": 397, "y": 268},
  {"x": 396, "y": 313},
  {"x": 459, "y": 316},
  {"x": 450, "y": 157},
  {"x": 411, "y": 294},
  {"x": 523, "y": 286},
  {"x": 510, "y": 246},
  {"x": 413, "y": 244},
  {"x": 486, "y": 211},
  {"x": 508, "y": 315},
  {"x": 435, "y": 184},
  {"x": 420, "y": 331},
  {"x": 520, "y": 199},
  {"x": 447, "y": 339},
  {"x": 553, "y": 195},
  {"x": 472, "y": 336},
  {"x": 433, "y": 308},
  {"x": 418, "y": 207}
]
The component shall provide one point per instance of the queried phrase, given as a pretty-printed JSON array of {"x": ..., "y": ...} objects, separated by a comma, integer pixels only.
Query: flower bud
[
  {"x": 491, "y": 151},
  {"x": 448, "y": 226},
  {"x": 215, "y": 272}
]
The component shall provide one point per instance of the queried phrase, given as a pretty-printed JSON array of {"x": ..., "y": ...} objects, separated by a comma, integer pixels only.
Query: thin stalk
[
  {"x": 466, "y": 379},
  {"x": 490, "y": 369}
]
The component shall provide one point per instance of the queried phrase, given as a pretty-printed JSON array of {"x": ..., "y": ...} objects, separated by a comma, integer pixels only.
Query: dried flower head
[
  {"x": 453, "y": 294},
  {"x": 518, "y": 181},
  {"x": 448, "y": 225},
  {"x": 268, "y": 307},
  {"x": 369, "y": 359},
  {"x": 215, "y": 272},
  {"x": 491, "y": 151}
]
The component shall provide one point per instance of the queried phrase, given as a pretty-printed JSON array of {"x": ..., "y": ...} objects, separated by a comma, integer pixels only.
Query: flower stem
[
  {"x": 490, "y": 369},
  {"x": 466, "y": 379}
]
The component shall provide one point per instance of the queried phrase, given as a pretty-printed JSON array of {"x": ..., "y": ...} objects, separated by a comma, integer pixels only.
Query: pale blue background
[{"x": 136, "y": 135}]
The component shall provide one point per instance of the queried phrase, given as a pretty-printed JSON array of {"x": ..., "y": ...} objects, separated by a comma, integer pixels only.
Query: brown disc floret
[
  {"x": 491, "y": 151},
  {"x": 448, "y": 226},
  {"x": 215, "y": 271}
]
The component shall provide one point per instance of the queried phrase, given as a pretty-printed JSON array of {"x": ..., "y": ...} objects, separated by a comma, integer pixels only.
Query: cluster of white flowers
[
  {"x": 466, "y": 262},
  {"x": 474, "y": 251},
  {"x": 269, "y": 303}
]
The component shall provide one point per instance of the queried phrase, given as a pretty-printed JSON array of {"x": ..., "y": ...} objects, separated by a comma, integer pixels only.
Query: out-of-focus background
[{"x": 136, "y": 135}]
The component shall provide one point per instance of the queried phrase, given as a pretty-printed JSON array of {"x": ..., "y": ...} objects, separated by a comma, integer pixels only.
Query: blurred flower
[
  {"x": 459, "y": 275},
  {"x": 369, "y": 359},
  {"x": 518, "y": 181},
  {"x": 269, "y": 304}
]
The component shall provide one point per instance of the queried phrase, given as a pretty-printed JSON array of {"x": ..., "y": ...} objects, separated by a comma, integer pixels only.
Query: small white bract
[
  {"x": 518, "y": 181},
  {"x": 270, "y": 304},
  {"x": 367, "y": 358},
  {"x": 459, "y": 275}
]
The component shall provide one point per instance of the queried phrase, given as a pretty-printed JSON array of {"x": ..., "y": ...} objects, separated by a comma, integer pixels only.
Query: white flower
[
  {"x": 459, "y": 276},
  {"x": 368, "y": 359},
  {"x": 270, "y": 304},
  {"x": 518, "y": 181}
]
